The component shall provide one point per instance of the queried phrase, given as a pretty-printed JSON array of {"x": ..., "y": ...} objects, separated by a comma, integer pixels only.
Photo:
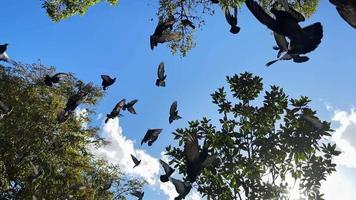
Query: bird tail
[
  {"x": 234, "y": 29},
  {"x": 271, "y": 62},
  {"x": 107, "y": 118}
]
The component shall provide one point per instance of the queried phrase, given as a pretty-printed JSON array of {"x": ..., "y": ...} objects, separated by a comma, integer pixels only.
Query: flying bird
[
  {"x": 182, "y": 188},
  {"x": 3, "y": 48},
  {"x": 187, "y": 22},
  {"x": 302, "y": 40},
  {"x": 167, "y": 170},
  {"x": 50, "y": 80},
  {"x": 347, "y": 10},
  {"x": 158, "y": 36},
  {"x": 73, "y": 102},
  {"x": 196, "y": 159},
  {"x": 232, "y": 20},
  {"x": 166, "y": 37},
  {"x": 315, "y": 122},
  {"x": 138, "y": 194},
  {"x": 173, "y": 112},
  {"x": 107, "y": 81},
  {"x": 116, "y": 111},
  {"x": 282, "y": 46},
  {"x": 4, "y": 109},
  {"x": 129, "y": 106},
  {"x": 135, "y": 160},
  {"x": 151, "y": 136},
  {"x": 161, "y": 80}
]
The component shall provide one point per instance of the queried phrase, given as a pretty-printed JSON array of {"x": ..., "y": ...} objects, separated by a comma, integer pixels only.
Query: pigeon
[
  {"x": 167, "y": 170},
  {"x": 302, "y": 40},
  {"x": 196, "y": 159},
  {"x": 50, "y": 80},
  {"x": 138, "y": 194},
  {"x": 232, "y": 20},
  {"x": 151, "y": 136},
  {"x": 283, "y": 47},
  {"x": 107, "y": 81},
  {"x": 173, "y": 113},
  {"x": 4, "y": 109},
  {"x": 116, "y": 111},
  {"x": 160, "y": 82},
  {"x": 135, "y": 160},
  {"x": 315, "y": 122},
  {"x": 129, "y": 106},
  {"x": 347, "y": 10},
  {"x": 158, "y": 36},
  {"x": 182, "y": 188},
  {"x": 187, "y": 22},
  {"x": 73, "y": 102},
  {"x": 3, "y": 48}
]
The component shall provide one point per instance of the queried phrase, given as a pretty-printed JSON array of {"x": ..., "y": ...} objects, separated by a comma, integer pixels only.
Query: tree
[
  {"x": 261, "y": 144},
  {"x": 42, "y": 159},
  {"x": 194, "y": 10}
]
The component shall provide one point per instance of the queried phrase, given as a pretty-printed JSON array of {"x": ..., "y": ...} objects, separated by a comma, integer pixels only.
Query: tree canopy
[
  {"x": 42, "y": 159},
  {"x": 194, "y": 10},
  {"x": 262, "y": 144}
]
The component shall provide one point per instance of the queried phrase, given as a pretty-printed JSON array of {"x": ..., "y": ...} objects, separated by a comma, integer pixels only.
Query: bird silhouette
[
  {"x": 214, "y": 1},
  {"x": 161, "y": 80},
  {"x": 182, "y": 188},
  {"x": 196, "y": 159},
  {"x": 3, "y": 48},
  {"x": 187, "y": 22},
  {"x": 232, "y": 20},
  {"x": 107, "y": 81},
  {"x": 347, "y": 10},
  {"x": 173, "y": 112},
  {"x": 115, "y": 111},
  {"x": 135, "y": 160},
  {"x": 73, "y": 102},
  {"x": 167, "y": 170},
  {"x": 138, "y": 194},
  {"x": 50, "y": 80},
  {"x": 302, "y": 40},
  {"x": 151, "y": 136},
  {"x": 129, "y": 106},
  {"x": 159, "y": 37},
  {"x": 282, "y": 46}
]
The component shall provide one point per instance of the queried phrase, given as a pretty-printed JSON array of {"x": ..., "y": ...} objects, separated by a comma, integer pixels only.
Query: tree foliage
[
  {"x": 43, "y": 159},
  {"x": 262, "y": 143},
  {"x": 194, "y": 10}
]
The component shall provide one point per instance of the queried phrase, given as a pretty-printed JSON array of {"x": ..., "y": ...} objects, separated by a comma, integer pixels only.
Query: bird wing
[
  {"x": 132, "y": 103},
  {"x": 106, "y": 78},
  {"x": 160, "y": 71},
  {"x": 145, "y": 138},
  {"x": 134, "y": 159},
  {"x": 348, "y": 13},
  {"x": 261, "y": 15},
  {"x": 310, "y": 40},
  {"x": 191, "y": 147},
  {"x": 228, "y": 16},
  {"x": 172, "y": 110},
  {"x": 168, "y": 37},
  {"x": 163, "y": 26},
  {"x": 119, "y": 106},
  {"x": 179, "y": 185},
  {"x": 166, "y": 167},
  {"x": 281, "y": 41},
  {"x": 313, "y": 121}
]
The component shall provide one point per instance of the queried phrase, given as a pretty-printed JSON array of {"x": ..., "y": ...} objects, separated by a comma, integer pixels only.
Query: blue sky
[{"x": 115, "y": 41}]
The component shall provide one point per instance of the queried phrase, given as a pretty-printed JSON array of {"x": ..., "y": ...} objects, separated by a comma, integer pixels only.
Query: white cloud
[
  {"x": 339, "y": 186},
  {"x": 118, "y": 152},
  {"x": 345, "y": 137}
]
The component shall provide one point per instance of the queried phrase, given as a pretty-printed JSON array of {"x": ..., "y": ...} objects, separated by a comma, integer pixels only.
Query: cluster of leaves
[
  {"x": 46, "y": 160},
  {"x": 61, "y": 9},
  {"x": 260, "y": 148}
]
